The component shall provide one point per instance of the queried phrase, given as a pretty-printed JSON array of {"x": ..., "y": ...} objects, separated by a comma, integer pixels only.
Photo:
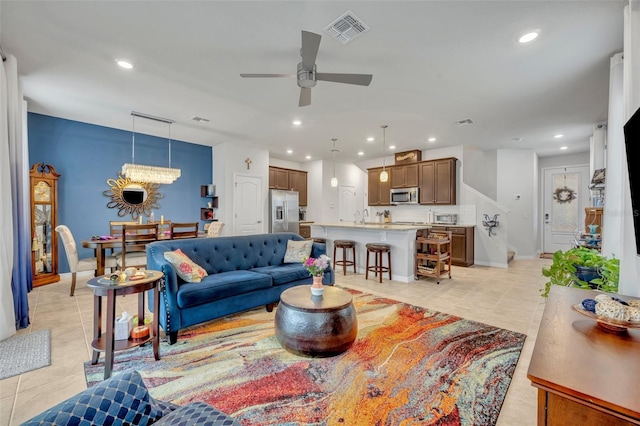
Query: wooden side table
[
  {"x": 585, "y": 375},
  {"x": 106, "y": 343}
]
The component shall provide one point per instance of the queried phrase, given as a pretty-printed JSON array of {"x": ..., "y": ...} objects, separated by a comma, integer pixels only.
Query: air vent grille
[
  {"x": 199, "y": 119},
  {"x": 463, "y": 122},
  {"x": 347, "y": 28}
]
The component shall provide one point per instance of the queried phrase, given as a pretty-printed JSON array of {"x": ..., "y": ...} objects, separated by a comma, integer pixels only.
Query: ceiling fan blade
[
  {"x": 305, "y": 96},
  {"x": 310, "y": 46},
  {"x": 359, "y": 79},
  {"x": 266, "y": 75}
]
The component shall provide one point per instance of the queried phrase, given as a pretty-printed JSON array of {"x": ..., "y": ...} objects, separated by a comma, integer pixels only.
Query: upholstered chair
[
  {"x": 215, "y": 228},
  {"x": 76, "y": 264}
]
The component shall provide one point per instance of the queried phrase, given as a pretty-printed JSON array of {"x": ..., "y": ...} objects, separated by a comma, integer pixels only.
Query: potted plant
[{"x": 583, "y": 268}]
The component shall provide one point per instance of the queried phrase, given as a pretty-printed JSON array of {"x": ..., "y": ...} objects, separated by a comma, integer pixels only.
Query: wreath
[{"x": 564, "y": 195}]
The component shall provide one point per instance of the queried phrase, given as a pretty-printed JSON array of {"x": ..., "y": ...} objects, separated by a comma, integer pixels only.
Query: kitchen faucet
[
  {"x": 365, "y": 212},
  {"x": 356, "y": 215}
]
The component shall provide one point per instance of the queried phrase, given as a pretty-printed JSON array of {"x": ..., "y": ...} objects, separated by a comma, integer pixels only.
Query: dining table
[{"x": 101, "y": 244}]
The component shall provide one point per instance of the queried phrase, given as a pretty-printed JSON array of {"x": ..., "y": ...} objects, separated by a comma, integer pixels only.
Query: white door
[
  {"x": 248, "y": 205},
  {"x": 346, "y": 203},
  {"x": 566, "y": 194}
]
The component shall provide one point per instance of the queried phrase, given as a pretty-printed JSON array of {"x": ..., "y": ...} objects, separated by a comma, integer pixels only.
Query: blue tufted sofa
[
  {"x": 244, "y": 272},
  {"x": 123, "y": 399}
]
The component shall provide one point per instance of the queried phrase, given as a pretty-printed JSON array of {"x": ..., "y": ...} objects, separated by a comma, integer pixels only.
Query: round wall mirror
[{"x": 132, "y": 198}]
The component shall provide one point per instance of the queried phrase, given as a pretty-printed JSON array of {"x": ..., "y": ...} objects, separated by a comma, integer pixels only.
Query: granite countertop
[
  {"x": 305, "y": 222},
  {"x": 398, "y": 226},
  {"x": 373, "y": 226}
]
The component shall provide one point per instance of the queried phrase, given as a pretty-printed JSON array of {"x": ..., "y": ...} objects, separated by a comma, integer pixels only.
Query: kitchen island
[{"x": 401, "y": 238}]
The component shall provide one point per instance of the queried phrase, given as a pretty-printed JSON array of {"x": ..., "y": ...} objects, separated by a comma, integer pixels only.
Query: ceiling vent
[
  {"x": 347, "y": 28},
  {"x": 517, "y": 139},
  {"x": 199, "y": 119},
  {"x": 463, "y": 122}
]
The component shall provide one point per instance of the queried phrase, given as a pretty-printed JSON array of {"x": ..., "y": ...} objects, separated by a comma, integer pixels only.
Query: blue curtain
[{"x": 21, "y": 279}]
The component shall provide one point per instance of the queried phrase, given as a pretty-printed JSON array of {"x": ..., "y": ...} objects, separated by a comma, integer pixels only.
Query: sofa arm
[
  {"x": 121, "y": 399},
  {"x": 168, "y": 295},
  {"x": 197, "y": 413}
]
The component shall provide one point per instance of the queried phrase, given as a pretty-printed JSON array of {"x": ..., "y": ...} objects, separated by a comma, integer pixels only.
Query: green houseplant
[{"x": 568, "y": 267}]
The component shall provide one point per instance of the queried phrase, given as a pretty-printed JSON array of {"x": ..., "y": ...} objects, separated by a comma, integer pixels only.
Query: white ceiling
[{"x": 433, "y": 63}]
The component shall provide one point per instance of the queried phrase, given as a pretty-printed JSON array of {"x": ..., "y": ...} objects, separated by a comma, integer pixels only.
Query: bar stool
[
  {"x": 377, "y": 249},
  {"x": 344, "y": 245},
  {"x": 319, "y": 240}
]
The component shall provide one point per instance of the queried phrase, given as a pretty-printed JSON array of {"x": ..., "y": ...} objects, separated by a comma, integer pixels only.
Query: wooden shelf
[{"x": 433, "y": 254}]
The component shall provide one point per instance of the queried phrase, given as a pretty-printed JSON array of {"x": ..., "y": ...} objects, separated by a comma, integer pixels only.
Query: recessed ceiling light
[
  {"x": 308, "y": 157},
  {"x": 558, "y": 136},
  {"x": 526, "y": 38},
  {"x": 360, "y": 152},
  {"x": 564, "y": 147},
  {"x": 289, "y": 151},
  {"x": 370, "y": 139},
  {"x": 392, "y": 147},
  {"x": 124, "y": 64},
  {"x": 431, "y": 139},
  {"x": 297, "y": 122}
]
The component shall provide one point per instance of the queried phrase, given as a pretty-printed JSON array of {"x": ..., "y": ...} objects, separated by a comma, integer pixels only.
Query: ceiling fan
[{"x": 307, "y": 75}]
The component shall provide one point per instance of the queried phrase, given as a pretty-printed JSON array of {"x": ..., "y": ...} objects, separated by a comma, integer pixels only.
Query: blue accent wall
[{"x": 87, "y": 155}]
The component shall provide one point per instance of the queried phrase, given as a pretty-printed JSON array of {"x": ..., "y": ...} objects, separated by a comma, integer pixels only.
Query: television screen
[{"x": 631, "y": 138}]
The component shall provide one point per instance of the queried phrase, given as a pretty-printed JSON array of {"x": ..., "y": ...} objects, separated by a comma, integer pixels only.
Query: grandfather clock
[{"x": 44, "y": 219}]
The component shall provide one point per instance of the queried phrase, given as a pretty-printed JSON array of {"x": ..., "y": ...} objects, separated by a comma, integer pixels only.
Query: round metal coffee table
[{"x": 316, "y": 326}]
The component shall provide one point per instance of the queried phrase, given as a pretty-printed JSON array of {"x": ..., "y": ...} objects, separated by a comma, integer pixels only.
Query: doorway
[
  {"x": 346, "y": 203},
  {"x": 248, "y": 205},
  {"x": 566, "y": 194}
]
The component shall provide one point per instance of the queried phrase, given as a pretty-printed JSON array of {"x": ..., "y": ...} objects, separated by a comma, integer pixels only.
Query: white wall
[
  {"x": 517, "y": 177},
  {"x": 563, "y": 160},
  {"x": 481, "y": 170},
  {"x": 277, "y": 162}
]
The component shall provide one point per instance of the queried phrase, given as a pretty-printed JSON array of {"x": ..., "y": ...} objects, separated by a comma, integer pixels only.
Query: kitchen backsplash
[{"x": 466, "y": 213}]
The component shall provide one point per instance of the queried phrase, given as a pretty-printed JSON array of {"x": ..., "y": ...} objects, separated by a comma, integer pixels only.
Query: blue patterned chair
[{"x": 123, "y": 399}]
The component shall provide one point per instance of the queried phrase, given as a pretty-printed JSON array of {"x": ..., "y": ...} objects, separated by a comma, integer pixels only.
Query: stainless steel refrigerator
[{"x": 284, "y": 211}]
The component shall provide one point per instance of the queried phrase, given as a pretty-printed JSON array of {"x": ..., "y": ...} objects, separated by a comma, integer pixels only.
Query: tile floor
[{"x": 507, "y": 298}]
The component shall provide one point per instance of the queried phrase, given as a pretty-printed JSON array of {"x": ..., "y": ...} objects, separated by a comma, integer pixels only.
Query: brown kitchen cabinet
[
  {"x": 305, "y": 231},
  {"x": 438, "y": 182},
  {"x": 289, "y": 180},
  {"x": 379, "y": 192},
  {"x": 462, "y": 243},
  {"x": 404, "y": 176}
]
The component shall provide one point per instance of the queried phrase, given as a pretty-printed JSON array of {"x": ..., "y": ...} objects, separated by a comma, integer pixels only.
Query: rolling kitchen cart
[{"x": 433, "y": 254}]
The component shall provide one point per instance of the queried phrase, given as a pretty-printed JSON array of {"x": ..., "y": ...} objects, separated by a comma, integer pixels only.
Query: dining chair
[
  {"x": 76, "y": 264},
  {"x": 115, "y": 227},
  {"x": 184, "y": 230},
  {"x": 134, "y": 243},
  {"x": 214, "y": 229}
]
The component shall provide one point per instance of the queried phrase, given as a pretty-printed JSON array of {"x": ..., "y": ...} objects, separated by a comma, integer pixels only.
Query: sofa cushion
[
  {"x": 284, "y": 274},
  {"x": 297, "y": 251},
  {"x": 219, "y": 286},
  {"x": 121, "y": 399},
  {"x": 197, "y": 413},
  {"x": 186, "y": 269}
]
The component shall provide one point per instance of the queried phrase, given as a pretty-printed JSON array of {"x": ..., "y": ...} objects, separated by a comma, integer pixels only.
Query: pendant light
[
  {"x": 384, "y": 176},
  {"x": 150, "y": 174},
  {"x": 334, "y": 179}
]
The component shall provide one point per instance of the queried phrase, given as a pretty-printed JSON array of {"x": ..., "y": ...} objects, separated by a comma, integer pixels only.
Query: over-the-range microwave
[{"x": 404, "y": 196}]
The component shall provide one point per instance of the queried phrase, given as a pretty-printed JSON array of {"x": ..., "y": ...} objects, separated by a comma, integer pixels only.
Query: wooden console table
[{"x": 585, "y": 376}]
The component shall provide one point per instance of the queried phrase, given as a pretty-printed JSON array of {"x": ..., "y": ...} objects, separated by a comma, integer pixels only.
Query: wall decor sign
[{"x": 408, "y": 156}]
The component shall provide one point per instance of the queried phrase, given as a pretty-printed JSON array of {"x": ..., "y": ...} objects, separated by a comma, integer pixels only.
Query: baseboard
[{"x": 492, "y": 264}]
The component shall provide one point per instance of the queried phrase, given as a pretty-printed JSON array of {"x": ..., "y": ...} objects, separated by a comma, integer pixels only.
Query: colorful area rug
[{"x": 408, "y": 365}]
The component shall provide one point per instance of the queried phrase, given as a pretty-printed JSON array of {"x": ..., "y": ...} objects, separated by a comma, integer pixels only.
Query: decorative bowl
[{"x": 608, "y": 324}]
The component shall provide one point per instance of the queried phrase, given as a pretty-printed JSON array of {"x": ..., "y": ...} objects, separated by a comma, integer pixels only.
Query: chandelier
[
  {"x": 334, "y": 179},
  {"x": 384, "y": 175},
  {"x": 144, "y": 173}
]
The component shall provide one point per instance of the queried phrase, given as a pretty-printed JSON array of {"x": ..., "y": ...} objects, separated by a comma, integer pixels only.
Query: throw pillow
[
  {"x": 297, "y": 251},
  {"x": 186, "y": 269}
]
